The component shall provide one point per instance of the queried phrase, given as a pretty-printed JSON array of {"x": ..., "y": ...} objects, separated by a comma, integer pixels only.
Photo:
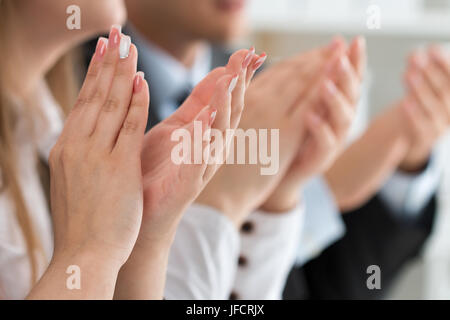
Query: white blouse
[{"x": 15, "y": 270}]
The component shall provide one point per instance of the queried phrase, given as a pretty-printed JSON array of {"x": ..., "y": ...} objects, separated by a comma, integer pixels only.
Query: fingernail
[
  {"x": 102, "y": 44},
  {"x": 138, "y": 79},
  {"x": 260, "y": 61},
  {"x": 212, "y": 117},
  {"x": 233, "y": 84},
  {"x": 248, "y": 58},
  {"x": 114, "y": 36},
  {"x": 124, "y": 49}
]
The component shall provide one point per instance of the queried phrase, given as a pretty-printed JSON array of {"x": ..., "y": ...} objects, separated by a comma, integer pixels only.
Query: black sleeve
[{"x": 374, "y": 237}]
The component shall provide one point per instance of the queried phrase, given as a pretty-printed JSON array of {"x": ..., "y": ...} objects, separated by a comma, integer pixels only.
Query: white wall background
[{"x": 284, "y": 27}]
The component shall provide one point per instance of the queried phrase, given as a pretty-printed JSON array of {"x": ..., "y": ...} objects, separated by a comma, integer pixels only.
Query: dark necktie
[{"x": 183, "y": 96}]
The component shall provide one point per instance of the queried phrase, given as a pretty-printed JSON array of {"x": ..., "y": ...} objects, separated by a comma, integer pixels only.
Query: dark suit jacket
[{"x": 373, "y": 237}]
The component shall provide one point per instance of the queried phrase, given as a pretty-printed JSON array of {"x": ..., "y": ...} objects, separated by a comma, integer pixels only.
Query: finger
[
  {"x": 441, "y": 58},
  {"x": 115, "y": 108},
  {"x": 309, "y": 96},
  {"x": 237, "y": 98},
  {"x": 72, "y": 125},
  {"x": 221, "y": 101},
  {"x": 97, "y": 96},
  {"x": 202, "y": 93},
  {"x": 426, "y": 100},
  {"x": 307, "y": 61},
  {"x": 321, "y": 132},
  {"x": 357, "y": 56},
  {"x": 131, "y": 134},
  {"x": 199, "y": 98},
  {"x": 346, "y": 79},
  {"x": 339, "y": 110},
  {"x": 438, "y": 82},
  {"x": 200, "y": 161},
  {"x": 93, "y": 71},
  {"x": 255, "y": 64}
]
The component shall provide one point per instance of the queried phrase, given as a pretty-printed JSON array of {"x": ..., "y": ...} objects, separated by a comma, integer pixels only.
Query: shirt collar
[{"x": 170, "y": 77}]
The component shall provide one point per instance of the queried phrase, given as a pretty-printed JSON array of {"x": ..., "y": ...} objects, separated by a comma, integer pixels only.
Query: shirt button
[
  {"x": 234, "y": 296},
  {"x": 242, "y": 261},
  {"x": 247, "y": 227}
]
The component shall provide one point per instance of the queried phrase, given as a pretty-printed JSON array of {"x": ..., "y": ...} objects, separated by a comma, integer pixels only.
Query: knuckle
[
  {"x": 130, "y": 126},
  {"x": 123, "y": 71},
  {"x": 91, "y": 76},
  {"x": 108, "y": 62},
  {"x": 97, "y": 96},
  {"x": 111, "y": 105},
  {"x": 67, "y": 153}
]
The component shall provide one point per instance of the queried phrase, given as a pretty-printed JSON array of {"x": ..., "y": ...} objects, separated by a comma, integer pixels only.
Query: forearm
[
  {"x": 369, "y": 161},
  {"x": 143, "y": 276},
  {"x": 89, "y": 278}
]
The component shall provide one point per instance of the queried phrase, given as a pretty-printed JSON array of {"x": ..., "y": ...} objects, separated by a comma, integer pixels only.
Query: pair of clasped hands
[{"x": 115, "y": 193}]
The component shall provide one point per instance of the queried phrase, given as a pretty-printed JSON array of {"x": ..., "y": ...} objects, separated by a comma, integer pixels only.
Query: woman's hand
[
  {"x": 96, "y": 177},
  {"x": 170, "y": 187},
  {"x": 216, "y": 103}
]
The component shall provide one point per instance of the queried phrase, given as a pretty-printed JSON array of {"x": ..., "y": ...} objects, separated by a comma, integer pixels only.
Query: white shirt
[
  {"x": 15, "y": 272},
  {"x": 203, "y": 262}
]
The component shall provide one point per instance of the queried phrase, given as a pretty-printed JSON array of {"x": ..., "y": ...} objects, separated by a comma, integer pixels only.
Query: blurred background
[{"x": 392, "y": 28}]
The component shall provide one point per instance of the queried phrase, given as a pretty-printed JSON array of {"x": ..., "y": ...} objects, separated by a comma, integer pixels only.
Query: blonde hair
[{"x": 62, "y": 84}]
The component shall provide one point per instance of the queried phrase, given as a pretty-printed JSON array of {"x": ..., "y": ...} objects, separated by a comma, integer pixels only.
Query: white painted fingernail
[
  {"x": 125, "y": 44},
  {"x": 233, "y": 84},
  {"x": 141, "y": 74}
]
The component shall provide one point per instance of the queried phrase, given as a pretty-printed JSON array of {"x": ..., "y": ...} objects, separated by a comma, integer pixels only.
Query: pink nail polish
[
  {"x": 248, "y": 58},
  {"x": 114, "y": 36}
]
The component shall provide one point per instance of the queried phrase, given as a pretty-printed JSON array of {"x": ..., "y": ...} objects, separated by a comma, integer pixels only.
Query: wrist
[
  {"x": 282, "y": 200},
  {"x": 232, "y": 207}
]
